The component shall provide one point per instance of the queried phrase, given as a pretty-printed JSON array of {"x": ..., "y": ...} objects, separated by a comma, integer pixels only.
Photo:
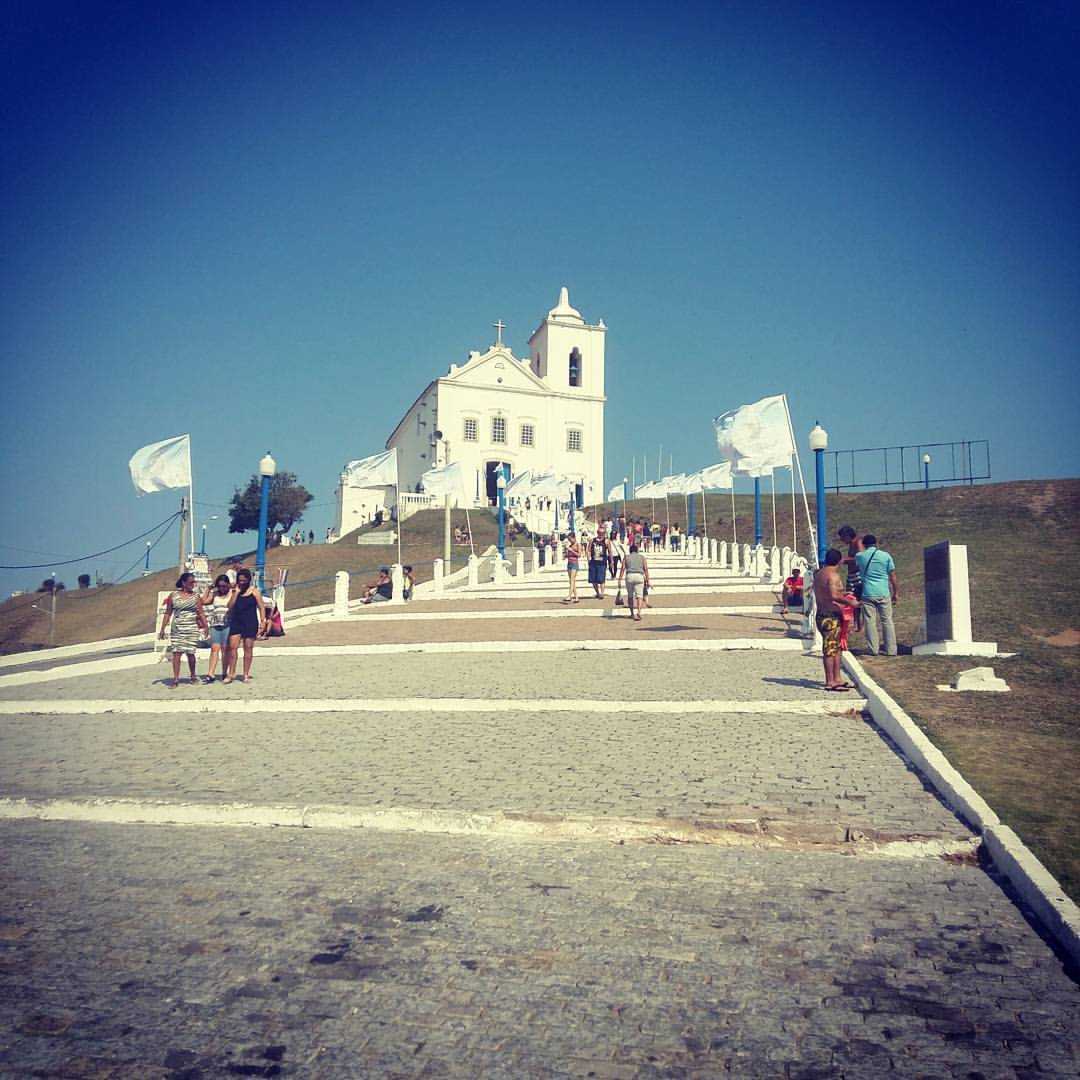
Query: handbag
[{"x": 619, "y": 602}]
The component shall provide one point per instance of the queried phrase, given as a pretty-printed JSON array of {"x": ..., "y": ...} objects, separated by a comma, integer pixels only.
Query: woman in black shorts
[{"x": 247, "y": 615}]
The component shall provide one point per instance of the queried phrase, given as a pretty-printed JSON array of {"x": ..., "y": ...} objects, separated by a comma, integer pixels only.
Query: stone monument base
[{"x": 956, "y": 648}]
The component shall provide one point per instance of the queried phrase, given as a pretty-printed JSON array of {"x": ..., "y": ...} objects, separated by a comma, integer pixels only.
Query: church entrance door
[{"x": 491, "y": 472}]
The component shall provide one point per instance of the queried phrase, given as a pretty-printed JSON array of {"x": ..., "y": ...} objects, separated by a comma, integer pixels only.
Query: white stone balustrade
[{"x": 341, "y": 594}]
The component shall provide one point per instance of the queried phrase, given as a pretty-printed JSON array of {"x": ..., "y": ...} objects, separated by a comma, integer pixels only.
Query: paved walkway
[{"x": 630, "y": 863}]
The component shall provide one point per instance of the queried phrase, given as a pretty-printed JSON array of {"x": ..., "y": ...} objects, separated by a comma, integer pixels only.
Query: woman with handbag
[
  {"x": 635, "y": 571},
  {"x": 185, "y": 611}
]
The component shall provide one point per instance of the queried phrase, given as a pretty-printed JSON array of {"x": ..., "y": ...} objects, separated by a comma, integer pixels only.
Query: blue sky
[{"x": 271, "y": 227}]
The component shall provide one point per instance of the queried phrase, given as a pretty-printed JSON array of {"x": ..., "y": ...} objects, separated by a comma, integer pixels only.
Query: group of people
[
  {"x": 864, "y": 601},
  {"x": 382, "y": 588},
  {"x": 231, "y": 614},
  {"x": 609, "y": 556}
]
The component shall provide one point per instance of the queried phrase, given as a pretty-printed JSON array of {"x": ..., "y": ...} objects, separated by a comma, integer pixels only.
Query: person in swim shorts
[{"x": 831, "y": 599}]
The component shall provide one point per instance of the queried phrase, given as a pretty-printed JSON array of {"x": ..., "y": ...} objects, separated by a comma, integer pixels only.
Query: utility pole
[
  {"x": 183, "y": 535},
  {"x": 52, "y": 613}
]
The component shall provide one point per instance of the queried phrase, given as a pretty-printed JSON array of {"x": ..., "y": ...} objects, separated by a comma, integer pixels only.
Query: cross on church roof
[{"x": 500, "y": 326}]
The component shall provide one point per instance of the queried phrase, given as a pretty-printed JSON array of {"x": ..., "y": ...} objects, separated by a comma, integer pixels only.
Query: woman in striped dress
[{"x": 185, "y": 611}]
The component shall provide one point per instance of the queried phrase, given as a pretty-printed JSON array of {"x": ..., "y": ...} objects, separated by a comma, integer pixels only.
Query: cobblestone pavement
[
  {"x": 159, "y": 952},
  {"x": 131, "y": 951},
  {"x": 679, "y": 675}
]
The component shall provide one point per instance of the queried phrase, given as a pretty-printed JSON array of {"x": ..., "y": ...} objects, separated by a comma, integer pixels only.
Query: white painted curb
[
  {"x": 1038, "y": 888},
  {"x": 1035, "y": 884},
  {"x": 471, "y": 706},
  {"x": 917, "y": 748}
]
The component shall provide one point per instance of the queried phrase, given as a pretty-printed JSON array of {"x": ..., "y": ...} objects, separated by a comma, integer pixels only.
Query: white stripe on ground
[
  {"x": 724, "y": 834},
  {"x": 832, "y": 705}
]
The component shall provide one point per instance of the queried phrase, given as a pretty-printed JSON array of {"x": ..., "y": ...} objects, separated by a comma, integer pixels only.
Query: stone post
[
  {"x": 341, "y": 594},
  {"x": 774, "y": 566},
  {"x": 519, "y": 564},
  {"x": 723, "y": 546},
  {"x": 474, "y": 570},
  {"x": 735, "y": 553},
  {"x": 748, "y": 560},
  {"x": 713, "y": 546},
  {"x": 785, "y": 563},
  {"x": 498, "y": 570},
  {"x": 397, "y": 581},
  {"x": 437, "y": 577}
]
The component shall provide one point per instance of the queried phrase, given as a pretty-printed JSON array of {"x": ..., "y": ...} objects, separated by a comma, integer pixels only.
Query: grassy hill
[
  {"x": 1021, "y": 750},
  {"x": 120, "y": 610}
]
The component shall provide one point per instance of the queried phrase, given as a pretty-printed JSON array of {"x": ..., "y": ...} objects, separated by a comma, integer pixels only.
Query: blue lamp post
[
  {"x": 690, "y": 517},
  {"x": 573, "y": 500},
  {"x": 926, "y": 471},
  {"x": 500, "y": 487},
  {"x": 757, "y": 510},
  {"x": 267, "y": 468},
  {"x": 819, "y": 441},
  {"x": 146, "y": 569}
]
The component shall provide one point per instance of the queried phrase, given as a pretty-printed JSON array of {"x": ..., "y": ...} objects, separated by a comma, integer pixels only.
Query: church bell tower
[{"x": 566, "y": 352}]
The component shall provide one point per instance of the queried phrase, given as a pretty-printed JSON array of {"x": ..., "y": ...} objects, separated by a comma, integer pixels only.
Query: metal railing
[{"x": 961, "y": 462}]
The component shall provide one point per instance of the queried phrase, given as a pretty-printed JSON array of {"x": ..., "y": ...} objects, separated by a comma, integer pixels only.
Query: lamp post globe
[
  {"x": 819, "y": 442},
  {"x": 267, "y": 468}
]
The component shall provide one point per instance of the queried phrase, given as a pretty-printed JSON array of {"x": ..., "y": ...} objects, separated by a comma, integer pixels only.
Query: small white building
[{"x": 543, "y": 411}]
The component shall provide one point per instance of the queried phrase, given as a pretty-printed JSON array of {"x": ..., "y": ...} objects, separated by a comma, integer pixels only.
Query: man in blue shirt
[{"x": 879, "y": 593}]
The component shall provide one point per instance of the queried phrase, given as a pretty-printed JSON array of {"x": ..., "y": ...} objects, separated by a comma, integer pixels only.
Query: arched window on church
[{"x": 575, "y": 367}]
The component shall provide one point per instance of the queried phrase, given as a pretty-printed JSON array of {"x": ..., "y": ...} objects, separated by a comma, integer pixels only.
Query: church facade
[{"x": 539, "y": 412}]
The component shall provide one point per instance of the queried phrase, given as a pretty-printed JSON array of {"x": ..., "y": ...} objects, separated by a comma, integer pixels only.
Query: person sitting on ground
[
  {"x": 792, "y": 592},
  {"x": 272, "y": 626},
  {"x": 380, "y": 589},
  {"x": 831, "y": 599}
]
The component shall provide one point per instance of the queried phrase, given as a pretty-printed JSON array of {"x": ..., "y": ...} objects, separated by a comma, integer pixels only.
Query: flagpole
[
  {"x": 397, "y": 501},
  {"x": 802, "y": 484},
  {"x": 191, "y": 495},
  {"x": 794, "y": 515},
  {"x": 734, "y": 530},
  {"x": 704, "y": 513}
]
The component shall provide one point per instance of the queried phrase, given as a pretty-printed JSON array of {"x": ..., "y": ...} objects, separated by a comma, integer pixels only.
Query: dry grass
[{"x": 120, "y": 610}]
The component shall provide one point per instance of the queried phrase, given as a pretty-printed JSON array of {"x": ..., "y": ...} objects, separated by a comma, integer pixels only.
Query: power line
[
  {"x": 96, "y": 554},
  {"x": 161, "y": 536}
]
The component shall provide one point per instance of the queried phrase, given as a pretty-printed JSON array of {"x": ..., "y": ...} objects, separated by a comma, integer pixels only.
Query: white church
[{"x": 542, "y": 411}]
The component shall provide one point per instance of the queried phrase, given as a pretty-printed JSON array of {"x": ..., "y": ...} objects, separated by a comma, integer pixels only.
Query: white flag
[
  {"x": 716, "y": 476},
  {"x": 162, "y": 465},
  {"x": 652, "y": 490},
  {"x": 755, "y": 438},
  {"x": 449, "y": 480},
  {"x": 672, "y": 485},
  {"x": 616, "y": 493},
  {"x": 546, "y": 485},
  {"x": 520, "y": 485},
  {"x": 379, "y": 470},
  {"x": 692, "y": 484}
]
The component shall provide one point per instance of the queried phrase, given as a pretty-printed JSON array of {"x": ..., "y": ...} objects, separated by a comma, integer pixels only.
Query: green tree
[
  {"x": 288, "y": 500},
  {"x": 48, "y": 585}
]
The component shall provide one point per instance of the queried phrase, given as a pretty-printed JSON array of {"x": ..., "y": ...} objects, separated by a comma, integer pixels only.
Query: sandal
[
  {"x": 174, "y": 684},
  {"x": 227, "y": 679}
]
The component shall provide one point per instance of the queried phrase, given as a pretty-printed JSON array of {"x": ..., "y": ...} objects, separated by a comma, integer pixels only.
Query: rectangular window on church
[
  {"x": 498, "y": 429},
  {"x": 573, "y": 440},
  {"x": 527, "y": 438},
  {"x": 471, "y": 432}
]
